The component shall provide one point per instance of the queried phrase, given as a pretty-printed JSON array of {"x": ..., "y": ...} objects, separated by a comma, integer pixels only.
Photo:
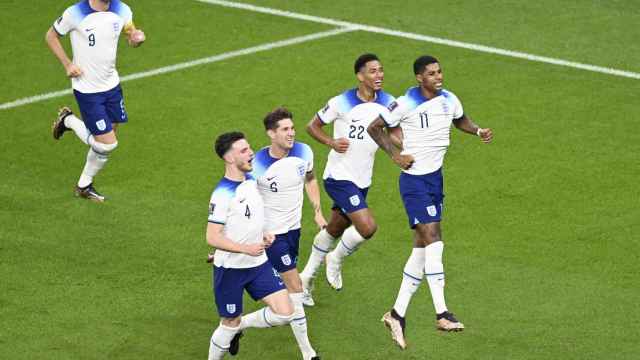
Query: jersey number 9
[{"x": 92, "y": 39}]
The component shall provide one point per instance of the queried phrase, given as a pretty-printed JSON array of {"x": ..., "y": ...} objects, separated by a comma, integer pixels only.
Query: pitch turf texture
[{"x": 541, "y": 226}]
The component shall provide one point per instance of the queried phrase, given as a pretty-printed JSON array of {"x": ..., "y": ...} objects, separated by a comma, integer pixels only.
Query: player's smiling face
[
  {"x": 242, "y": 155},
  {"x": 284, "y": 135},
  {"x": 372, "y": 75},
  {"x": 431, "y": 78}
]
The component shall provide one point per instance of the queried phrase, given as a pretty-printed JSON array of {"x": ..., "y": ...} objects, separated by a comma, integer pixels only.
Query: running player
[
  {"x": 94, "y": 27},
  {"x": 425, "y": 114},
  {"x": 235, "y": 229}
]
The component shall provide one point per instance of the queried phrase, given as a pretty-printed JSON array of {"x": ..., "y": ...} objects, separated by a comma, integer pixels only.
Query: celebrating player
[
  {"x": 235, "y": 229},
  {"x": 94, "y": 27},
  {"x": 282, "y": 170},
  {"x": 425, "y": 114},
  {"x": 347, "y": 175}
]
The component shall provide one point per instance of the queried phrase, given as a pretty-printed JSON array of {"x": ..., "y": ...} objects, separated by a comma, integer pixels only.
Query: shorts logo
[
  {"x": 415, "y": 221},
  {"x": 212, "y": 207},
  {"x": 354, "y": 200},
  {"x": 286, "y": 259},
  {"x": 392, "y": 106},
  {"x": 231, "y": 308},
  {"x": 431, "y": 210},
  {"x": 101, "y": 124}
]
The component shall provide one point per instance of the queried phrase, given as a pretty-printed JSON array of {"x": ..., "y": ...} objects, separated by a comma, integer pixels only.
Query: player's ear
[
  {"x": 228, "y": 157},
  {"x": 419, "y": 78},
  {"x": 271, "y": 134},
  {"x": 360, "y": 76}
]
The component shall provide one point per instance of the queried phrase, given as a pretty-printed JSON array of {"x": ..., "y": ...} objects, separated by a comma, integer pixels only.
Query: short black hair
[
  {"x": 362, "y": 60},
  {"x": 422, "y": 62},
  {"x": 225, "y": 141},
  {"x": 272, "y": 118}
]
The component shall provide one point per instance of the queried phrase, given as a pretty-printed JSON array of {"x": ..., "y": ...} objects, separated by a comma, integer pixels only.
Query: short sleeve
[
  {"x": 124, "y": 11},
  {"x": 65, "y": 23},
  {"x": 395, "y": 112},
  {"x": 308, "y": 158},
  {"x": 330, "y": 112},
  {"x": 458, "y": 112},
  {"x": 219, "y": 207}
]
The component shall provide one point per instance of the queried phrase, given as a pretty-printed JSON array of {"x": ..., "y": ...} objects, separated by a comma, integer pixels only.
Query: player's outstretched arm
[
  {"x": 216, "y": 239},
  {"x": 377, "y": 132},
  {"x": 314, "y": 128},
  {"x": 135, "y": 37},
  {"x": 53, "y": 41},
  {"x": 313, "y": 193},
  {"x": 467, "y": 125}
]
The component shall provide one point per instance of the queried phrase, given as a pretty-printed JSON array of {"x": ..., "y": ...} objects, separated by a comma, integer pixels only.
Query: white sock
[
  {"x": 263, "y": 318},
  {"x": 94, "y": 163},
  {"x": 78, "y": 127},
  {"x": 299, "y": 326},
  {"x": 321, "y": 246},
  {"x": 411, "y": 279},
  {"x": 220, "y": 341},
  {"x": 349, "y": 243},
  {"x": 434, "y": 272}
]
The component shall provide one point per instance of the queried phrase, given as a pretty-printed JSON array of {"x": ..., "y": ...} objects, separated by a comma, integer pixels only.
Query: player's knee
[
  {"x": 282, "y": 319},
  {"x": 368, "y": 229},
  {"x": 102, "y": 148},
  {"x": 231, "y": 322}
]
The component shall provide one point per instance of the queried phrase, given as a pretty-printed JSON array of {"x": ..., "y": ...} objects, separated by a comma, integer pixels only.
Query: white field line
[
  {"x": 431, "y": 39},
  {"x": 188, "y": 64}
]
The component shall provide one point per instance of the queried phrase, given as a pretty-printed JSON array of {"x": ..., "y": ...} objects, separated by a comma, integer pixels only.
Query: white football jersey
[
  {"x": 281, "y": 184},
  {"x": 94, "y": 40},
  {"x": 351, "y": 117},
  {"x": 239, "y": 207},
  {"x": 426, "y": 126}
]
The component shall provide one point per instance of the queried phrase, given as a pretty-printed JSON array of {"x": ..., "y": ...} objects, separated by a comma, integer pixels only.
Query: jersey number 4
[
  {"x": 356, "y": 132},
  {"x": 247, "y": 212}
]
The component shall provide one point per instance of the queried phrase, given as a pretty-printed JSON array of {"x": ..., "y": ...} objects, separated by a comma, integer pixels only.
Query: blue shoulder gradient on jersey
[
  {"x": 226, "y": 188},
  {"x": 261, "y": 162},
  {"x": 383, "y": 98},
  {"x": 302, "y": 151},
  {"x": 349, "y": 99},
  {"x": 120, "y": 8}
]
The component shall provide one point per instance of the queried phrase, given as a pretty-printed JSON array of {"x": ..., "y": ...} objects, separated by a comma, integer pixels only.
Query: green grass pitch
[{"x": 541, "y": 226}]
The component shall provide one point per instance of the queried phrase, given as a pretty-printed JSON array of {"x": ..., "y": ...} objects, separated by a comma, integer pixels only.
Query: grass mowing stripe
[
  {"x": 426, "y": 38},
  {"x": 188, "y": 64}
]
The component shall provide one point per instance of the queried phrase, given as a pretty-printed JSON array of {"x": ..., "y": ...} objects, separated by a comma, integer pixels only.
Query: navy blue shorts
[
  {"x": 423, "y": 197},
  {"x": 100, "y": 110},
  {"x": 229, "y": 285},
  {"x": 346, "y": 195},
  {"x": 283, "y": 253}
]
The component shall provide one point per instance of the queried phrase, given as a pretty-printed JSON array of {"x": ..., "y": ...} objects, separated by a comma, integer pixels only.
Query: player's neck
[
  {"x": 428, "y": 93},
  {"x": 231, "y": 172},
  {"x": 99, "y": 5},
  {"x": 366, "y": 94},
  {"x": 277, "y": 152}
]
